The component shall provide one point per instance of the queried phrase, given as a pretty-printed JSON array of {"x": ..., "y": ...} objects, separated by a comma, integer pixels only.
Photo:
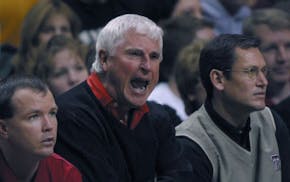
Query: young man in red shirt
[{"x": 28, "y": 128}]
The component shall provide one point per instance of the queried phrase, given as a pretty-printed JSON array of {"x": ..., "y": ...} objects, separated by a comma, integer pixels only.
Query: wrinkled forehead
[
  {"x": 139, "y": 40},
  {"x": 141, "y": 32}
]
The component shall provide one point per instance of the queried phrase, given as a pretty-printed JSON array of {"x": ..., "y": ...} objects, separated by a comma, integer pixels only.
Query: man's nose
[
  {"x": 47, "y": 124},
  {"x": 146, "y": 63},
  {"x": 73, "y": 77},
  {"x": 262, "y": 79}
]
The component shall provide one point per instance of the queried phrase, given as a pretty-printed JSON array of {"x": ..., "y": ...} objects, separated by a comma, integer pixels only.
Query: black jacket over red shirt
[{"x": 105, "y": 150}]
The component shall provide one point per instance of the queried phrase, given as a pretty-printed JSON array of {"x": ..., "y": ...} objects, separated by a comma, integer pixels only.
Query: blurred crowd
[{"x": 55, "y": 40}]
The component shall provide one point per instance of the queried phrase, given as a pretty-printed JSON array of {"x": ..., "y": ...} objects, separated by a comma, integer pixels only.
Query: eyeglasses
[{"x": 252, "y": 72}]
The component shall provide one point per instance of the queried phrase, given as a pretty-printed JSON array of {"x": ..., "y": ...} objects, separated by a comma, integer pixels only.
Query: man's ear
[
  {"x": 103, "y": 55},
  {"x": 217, "y": 79},
  {"x": 3, "y": 129}
]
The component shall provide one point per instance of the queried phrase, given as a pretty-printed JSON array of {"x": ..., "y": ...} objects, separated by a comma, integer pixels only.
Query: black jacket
[{"x": 106, "y": 150}]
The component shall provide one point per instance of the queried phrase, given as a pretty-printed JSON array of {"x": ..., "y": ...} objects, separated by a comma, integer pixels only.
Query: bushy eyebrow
[
  {"x": 134, "y": 51},
  {"x": 140, "y": 52}
]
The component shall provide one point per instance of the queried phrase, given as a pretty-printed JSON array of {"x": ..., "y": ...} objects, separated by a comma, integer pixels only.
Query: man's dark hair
[
  {"x": 220, "y": 54},
  {"x": 10, "y": 85}
]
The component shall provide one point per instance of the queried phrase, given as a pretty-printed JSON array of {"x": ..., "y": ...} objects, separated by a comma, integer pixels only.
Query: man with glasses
[{"x": 234, "y": 136}]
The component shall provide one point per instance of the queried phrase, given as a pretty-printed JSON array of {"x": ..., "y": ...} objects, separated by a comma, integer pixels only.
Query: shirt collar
[
  {"x": 111, "y": 105},
  {"x": 239, "y": 135}
]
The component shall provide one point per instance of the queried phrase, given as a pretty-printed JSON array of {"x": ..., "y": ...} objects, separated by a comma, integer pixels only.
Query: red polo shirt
[{"x": 51, "y": 169}]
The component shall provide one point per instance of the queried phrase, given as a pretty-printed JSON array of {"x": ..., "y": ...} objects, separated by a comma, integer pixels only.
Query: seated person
[
  {"x": 28, "y": 128},
  {"x": 106, "y": 127},
  {"x": 44, "y": 20},
  {"x": 61, "y": 63},
  {"x": 234, "y": 136},
  {"x": 186, "y": 73},
  {"x": 179, "y": 33}
]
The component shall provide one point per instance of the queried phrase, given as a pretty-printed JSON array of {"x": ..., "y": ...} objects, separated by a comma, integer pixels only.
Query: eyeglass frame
[{"x": 252, "y": 72}]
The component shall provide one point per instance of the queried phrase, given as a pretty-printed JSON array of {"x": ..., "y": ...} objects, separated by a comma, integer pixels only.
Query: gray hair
[{"x": 113, "y": 34}]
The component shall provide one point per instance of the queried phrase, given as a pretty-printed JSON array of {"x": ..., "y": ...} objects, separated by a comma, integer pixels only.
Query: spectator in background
[
  {"x": 178, "y": 33},
  {"x": 44, "y": 20},
  {"x": 61, "y": 63},
  {"x": 282, "y": 5},
  {"x": 234, "y": 136},
  {"x": 28, "y": 129},
  {"x": 272, "y": 28},
  {"x": 96, "y": 13},
  {"x": 106, "y": 127},
  {"x": 186, "y": 73},
  {"x": 283, "y": 107},
  {"x": 259, "y": 4},
  {"x": 204, "y": 30},
  {"x": 187, "y": 7},
  {"x": 6, "y": 67},
  {"x": 226, "y": 15}
]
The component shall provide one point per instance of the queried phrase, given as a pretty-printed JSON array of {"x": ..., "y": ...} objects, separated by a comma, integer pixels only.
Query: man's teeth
[
  {"x": 141, "y": 89},
  {"x": 139, "y": 85}
]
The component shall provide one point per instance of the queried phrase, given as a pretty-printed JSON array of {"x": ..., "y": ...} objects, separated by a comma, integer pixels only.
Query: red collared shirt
[
  {"x": 110, "y": 104},
  {"x": 51, "y": 169}
]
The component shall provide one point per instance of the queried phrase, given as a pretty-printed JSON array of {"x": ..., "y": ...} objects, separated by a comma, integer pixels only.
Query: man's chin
[
  {"x": 45, "y": 153},
  {"x": 137, "y": 104},
  {"x": 136, "y": 101}
]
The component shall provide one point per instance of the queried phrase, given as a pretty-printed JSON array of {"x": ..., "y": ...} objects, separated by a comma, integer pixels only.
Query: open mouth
[{"x": 139, "y": 85}]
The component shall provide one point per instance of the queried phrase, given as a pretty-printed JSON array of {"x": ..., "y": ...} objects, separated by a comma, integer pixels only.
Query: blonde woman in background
[
  {"x": 187, "y": 76},
  {"x": 61, "y": 63},
  {"x": 44, "y": 20}
]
